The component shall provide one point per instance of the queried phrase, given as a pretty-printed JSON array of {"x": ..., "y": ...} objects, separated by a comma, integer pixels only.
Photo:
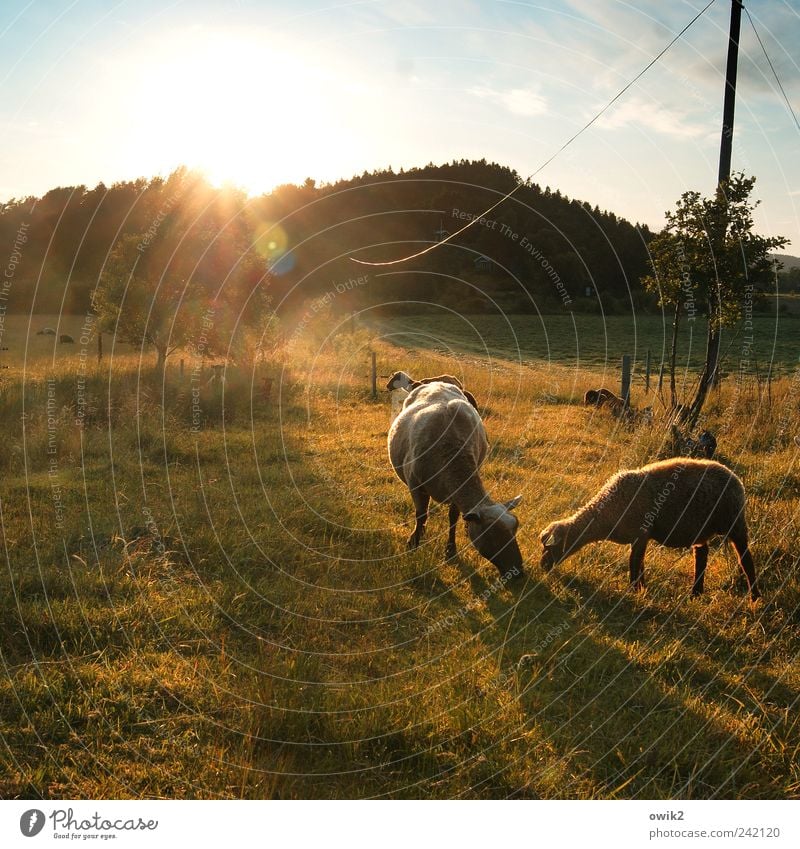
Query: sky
[{"x": 261, "y": 92}]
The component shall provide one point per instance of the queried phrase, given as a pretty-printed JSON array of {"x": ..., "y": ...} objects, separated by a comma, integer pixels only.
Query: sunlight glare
[{"x": 241, "y": 111}]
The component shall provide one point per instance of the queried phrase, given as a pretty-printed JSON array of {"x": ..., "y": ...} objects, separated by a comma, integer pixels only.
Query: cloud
[
  {"x": 652, "y": 116},
  {"x": 519, "y": 101}
]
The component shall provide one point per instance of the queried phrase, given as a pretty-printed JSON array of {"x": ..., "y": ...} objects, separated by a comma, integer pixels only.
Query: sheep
[
  {"x": 436, "y": 447},
  {"x": 601, "y": 397},
  {"x": 679, "y": 503},
  {"x": 606, "y": 398},
  {"x": 402, "y": 380}
]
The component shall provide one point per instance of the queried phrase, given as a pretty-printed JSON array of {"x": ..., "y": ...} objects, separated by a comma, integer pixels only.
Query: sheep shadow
[{"x": 630, "y": 724}]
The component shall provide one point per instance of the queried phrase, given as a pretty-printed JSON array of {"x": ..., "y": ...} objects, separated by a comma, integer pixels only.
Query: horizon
[{"x": 258, "y": 97}]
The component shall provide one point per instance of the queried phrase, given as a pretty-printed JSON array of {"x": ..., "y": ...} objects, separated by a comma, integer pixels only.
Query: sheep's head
[
  {"x": 555, "y": 543},
  {"x": 492, "y": 529},
  {"x": 399, "y": 380}
]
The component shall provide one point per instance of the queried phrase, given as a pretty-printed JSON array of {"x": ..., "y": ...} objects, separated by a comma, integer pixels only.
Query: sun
[{"x": 236, "y": 108}]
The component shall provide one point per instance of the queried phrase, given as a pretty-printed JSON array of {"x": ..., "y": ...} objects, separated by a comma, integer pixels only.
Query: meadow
[{"x": 229, "y": 610}]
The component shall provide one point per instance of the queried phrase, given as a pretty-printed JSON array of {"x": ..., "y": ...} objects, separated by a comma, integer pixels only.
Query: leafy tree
[
  {"x": 185, "y": 277},
  {"x": 672, "y": 283},
  {"x": 728, "y": 263}
]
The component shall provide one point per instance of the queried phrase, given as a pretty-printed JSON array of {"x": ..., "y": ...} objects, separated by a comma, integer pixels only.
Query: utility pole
[
  {"x": 710, "y": 375},
  {"x": 726, "y": 143}
]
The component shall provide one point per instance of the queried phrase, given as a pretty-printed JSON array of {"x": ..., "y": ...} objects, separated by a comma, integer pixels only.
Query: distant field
[
  {"x": 230, "y": 610},
  {"x": 590, "y": 341}
]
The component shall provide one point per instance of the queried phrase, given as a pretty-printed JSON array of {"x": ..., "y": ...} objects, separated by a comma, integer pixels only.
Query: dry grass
[{"x": 232, "y": 613}]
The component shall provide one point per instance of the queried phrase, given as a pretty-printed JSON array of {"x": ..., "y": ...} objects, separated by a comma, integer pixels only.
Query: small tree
[
  {"x": 139, "y": 305},
  {"x": 726, "y": 261},
  {"x": 671, "y": 281},
  {"x": 188, "y": 275}
]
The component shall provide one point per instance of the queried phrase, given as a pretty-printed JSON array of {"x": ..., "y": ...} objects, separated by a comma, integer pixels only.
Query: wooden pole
[
  {"x": 181, "y": 367},
  {"x": 726, "y": 142},
  {"x": 647, "y": 373},
  {"x": 374, "y": 377},
  {"x": 99, "y": 347},
  {"x": 625, "y": 391}
]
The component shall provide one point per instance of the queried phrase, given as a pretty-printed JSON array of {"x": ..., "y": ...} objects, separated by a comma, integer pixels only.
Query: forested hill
[{"x": 537, "y": 242}]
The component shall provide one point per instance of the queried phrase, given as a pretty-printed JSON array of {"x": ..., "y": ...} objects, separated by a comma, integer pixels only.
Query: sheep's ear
[
  {"x": 473, "y": 516},
  {"x": 510, "y": 505},
  {"x": 548, "y": 539}
]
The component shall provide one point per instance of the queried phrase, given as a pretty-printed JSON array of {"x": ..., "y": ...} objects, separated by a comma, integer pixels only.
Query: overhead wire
[
  {"x": 560, "y": 150},
  {"x": 772, "y": 67}
]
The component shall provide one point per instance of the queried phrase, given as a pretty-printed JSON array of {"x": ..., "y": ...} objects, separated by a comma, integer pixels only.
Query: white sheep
[
  {"x": 436, "y": 446},
  {"x": 679, "y": 503},
  {"x": 403, "y": 380}
]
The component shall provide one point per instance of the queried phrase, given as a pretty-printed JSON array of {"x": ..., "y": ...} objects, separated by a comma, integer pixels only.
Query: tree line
[
  {"x": 302, "y": 236},
  {"x": 175, "y": 262}
]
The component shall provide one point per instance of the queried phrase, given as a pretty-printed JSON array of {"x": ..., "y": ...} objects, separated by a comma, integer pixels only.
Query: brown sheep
[
  {"x": 436, "y": 446},
  {"x": 601, "y": 397},
  {"x": 402, "y": 380},
  {"x": 679, "y": 503}
]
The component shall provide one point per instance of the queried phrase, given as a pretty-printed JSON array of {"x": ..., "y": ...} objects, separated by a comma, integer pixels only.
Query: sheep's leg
[
  {"x": 636, "y": 563},
  {"x": 450, "y": 551},
  {"x": 700, "y": 561},
  {"x": 746, "y": 562},
  {"x": 421, "y": 502}
]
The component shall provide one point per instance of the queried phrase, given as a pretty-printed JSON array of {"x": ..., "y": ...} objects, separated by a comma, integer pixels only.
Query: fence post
[
  {"x": 181, "y": 367},
  {"x": 99, "y": 346},
  {"x": 647, "y": 373},
  {"x": 374, "y": 377},
  {"x": 625, "y": 391}
]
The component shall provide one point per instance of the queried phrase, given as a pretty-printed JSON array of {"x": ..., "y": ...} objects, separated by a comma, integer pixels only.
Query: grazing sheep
[
  {"x": 46, "y": 331},
  {"x": 436, "y": 446},
  {"x": 678, "y": 503},
  {"x": 402, "y": 380},
  {"x": 606, "y": 398},
  {"x": 66, "y": 339},
  {"x": 601, "y": 397}
]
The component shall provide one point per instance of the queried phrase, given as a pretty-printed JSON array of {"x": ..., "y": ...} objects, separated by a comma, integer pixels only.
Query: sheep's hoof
[
  {"x": 413, "y": 542},
  {"x": 451, "y": 552}
]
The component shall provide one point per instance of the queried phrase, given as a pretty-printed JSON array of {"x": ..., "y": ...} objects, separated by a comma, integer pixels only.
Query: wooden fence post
[
  {"x": 647, "y": 373},
  {"x": 625, "y": 391},
  {"x": 374, "y": 377},
  {"x": 99, "y": 347}
]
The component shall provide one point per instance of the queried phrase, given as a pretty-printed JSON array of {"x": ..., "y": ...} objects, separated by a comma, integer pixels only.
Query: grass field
[
  {"x": 598, "y": 343},
  {"x": 231, "y": 612}
]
